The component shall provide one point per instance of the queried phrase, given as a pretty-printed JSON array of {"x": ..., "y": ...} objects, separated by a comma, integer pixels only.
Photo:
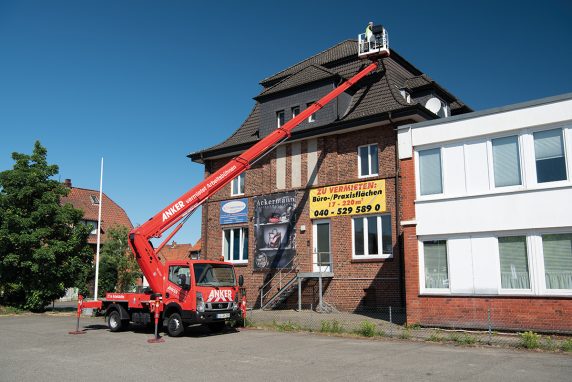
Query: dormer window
[
  {"x": 279, "y": 118},
  {"x": 295, "y": 111},
  {"x": 311, "y": 118},
  {"x": 94, "y": 199},
  {"x": 406, "y": 96}
]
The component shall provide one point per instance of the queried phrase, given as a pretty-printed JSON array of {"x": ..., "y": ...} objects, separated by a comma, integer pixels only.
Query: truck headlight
[{"x": 200, "y": 302}]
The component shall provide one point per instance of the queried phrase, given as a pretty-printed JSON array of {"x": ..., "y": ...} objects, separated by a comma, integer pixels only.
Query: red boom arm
[{"x": 139, "y": 237}]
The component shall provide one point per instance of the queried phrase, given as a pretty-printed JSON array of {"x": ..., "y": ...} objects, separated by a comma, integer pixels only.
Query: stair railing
[{"x": 282, "y": 274}]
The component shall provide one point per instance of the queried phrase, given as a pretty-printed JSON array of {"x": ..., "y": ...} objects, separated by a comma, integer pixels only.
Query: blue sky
[{"x": 143, "y": 83}]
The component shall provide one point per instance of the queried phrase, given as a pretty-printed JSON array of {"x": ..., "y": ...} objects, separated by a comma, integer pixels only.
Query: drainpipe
[{"x": 397, "y": 215}]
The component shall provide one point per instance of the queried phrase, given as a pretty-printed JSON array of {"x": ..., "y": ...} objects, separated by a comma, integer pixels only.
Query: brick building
[
  {"x": 272, "y": 221},
  {"x": 487, "y": 218},
  {"x": 111, "y": 215},
  {"x": 88, "y": 201}
]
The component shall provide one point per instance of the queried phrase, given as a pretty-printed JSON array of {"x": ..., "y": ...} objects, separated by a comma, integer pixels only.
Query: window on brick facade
[
  {"x": 279, "y": 118},
  {"x": 93, "y": 225},
  {"x": 435, "y": 264},
  {"x": 372, "y": 237},
  {"x": 312, "y": 117},
  {"x": 237, "y": 185},
  {"x": 513, "y": 262},
  {"x": 549, "y": 153},
  {"x": 368, "y": 161},
  {"x": 235, "y": 245},
  {"x": 431, "y": 181}
]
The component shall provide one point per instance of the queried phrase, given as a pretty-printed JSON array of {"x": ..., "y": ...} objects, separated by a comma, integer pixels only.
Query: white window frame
[
  {"x": 531, "y": 269},
  {"x": 230, "y": 258},
  {"x": 366, "y": 254},
  {"x": 311, "y": 117},
  {"x": 292, "y": 109},
  {"x": 369, "y": 159},
  {"x": 491, "y": 166},
  {"x": 280, "y": 113},
  {"x": 537, "y": 237},
  {"x": 240, "y": 179},
  {"x": 566, "y": 151},
  {"x": 422, "y": 288},
  {"x": 443, "y": 174}
]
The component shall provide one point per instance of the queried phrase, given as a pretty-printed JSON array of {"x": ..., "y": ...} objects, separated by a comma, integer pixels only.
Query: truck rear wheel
[
  {"x": 175, "y": 327},
  {"x": 114, "y": 322}
]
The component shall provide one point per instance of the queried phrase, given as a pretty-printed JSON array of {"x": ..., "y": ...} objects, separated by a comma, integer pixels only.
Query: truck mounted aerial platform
[{"x": 206, "y": 291}]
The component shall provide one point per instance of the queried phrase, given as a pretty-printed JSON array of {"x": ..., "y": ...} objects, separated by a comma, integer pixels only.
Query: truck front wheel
[
  {"x": 114, "y": 322},
  {"x": 175, "y": 327}
]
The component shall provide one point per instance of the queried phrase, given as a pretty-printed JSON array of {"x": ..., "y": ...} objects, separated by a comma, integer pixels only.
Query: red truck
[{"x": 206, "y": 291}]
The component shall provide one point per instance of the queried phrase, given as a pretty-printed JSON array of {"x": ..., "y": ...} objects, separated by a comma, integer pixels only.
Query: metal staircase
[{"x": 283, "y": 284}]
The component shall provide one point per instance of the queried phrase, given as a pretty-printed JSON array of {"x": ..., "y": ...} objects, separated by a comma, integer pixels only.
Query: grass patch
[
  {"x": 529, "y": 340},
  {"x": 549, "y": 344},
  {"x": 10, "y": 310},
  {"x": 405, "y": 334},
  {"x": 566, "y": 345},
  {"x": 435, "y": 337},
  {"x": 331, "y": 327},
  {"x": 287, "y": 326},
  {"x": 462, "y": 339},
  {"x": 366, "y": 329},
  {"x": 413, "y": 326}
]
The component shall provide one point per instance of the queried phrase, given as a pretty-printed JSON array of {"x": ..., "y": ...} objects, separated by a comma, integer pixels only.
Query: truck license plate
[{"x": 223, "y": 315}]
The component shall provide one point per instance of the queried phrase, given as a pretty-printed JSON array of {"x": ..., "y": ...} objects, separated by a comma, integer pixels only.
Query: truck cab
[{"x": 200, "y": 292}]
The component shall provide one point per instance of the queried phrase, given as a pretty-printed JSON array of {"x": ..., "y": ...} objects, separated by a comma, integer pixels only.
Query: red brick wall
[
  {"x": 355, "y": 283},
  {"x": 500, "y": 312}
]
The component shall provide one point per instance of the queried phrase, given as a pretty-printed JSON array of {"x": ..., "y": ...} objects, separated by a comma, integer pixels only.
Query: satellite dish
[{"x": 434, "y": 105}]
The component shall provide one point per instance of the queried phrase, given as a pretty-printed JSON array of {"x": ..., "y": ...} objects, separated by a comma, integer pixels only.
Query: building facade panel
[{"x": 492, "y": 247}]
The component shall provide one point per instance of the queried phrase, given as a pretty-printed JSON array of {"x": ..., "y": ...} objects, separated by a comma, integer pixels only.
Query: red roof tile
[{"x": 111, "y": 213}]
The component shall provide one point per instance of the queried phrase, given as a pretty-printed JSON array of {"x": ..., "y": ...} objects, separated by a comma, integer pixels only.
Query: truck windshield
[{"x": 214, "y": 275}]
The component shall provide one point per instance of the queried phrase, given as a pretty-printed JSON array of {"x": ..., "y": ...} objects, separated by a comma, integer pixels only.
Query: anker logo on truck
[{"x": 220, "y": 295}]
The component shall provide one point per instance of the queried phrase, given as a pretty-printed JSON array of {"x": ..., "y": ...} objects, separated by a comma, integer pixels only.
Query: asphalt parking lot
[{"x": 39, "y": 348}]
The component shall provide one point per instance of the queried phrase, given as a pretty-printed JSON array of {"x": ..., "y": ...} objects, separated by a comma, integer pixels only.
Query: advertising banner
[
  {"x": 348, "y": 199},
  {"x": 234, "y": 211},
  {"x": 274, "y": 230}
]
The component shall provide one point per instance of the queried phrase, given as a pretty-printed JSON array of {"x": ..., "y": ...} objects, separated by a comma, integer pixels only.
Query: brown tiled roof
[
  {"x": 306, "y": 75},
  {"x": 375, "y": 95},
  {"x": 111, "y": 213},
  {"x": 176, "y": 251}
]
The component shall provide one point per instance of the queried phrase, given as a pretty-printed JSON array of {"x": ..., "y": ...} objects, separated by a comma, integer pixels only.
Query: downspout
[{"x": 398, "y": 215}]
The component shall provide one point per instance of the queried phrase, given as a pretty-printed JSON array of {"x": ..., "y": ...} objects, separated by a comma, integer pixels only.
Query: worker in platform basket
[{"x": 369, "y": 32}]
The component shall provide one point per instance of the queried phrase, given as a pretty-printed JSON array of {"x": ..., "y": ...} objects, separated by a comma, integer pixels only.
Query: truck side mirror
[{"x": 240, "y": 280}]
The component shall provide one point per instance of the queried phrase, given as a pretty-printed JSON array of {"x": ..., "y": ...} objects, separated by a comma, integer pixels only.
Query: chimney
[{"x": 68, "y": 183}]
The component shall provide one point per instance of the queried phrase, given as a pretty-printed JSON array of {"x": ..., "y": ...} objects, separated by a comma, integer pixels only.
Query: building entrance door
[{"x": 322, "y": 258}]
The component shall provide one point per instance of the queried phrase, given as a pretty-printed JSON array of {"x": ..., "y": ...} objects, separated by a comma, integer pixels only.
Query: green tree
[
  {"x": 43, "y": 245},
  {"x": 118, "y": 269}
]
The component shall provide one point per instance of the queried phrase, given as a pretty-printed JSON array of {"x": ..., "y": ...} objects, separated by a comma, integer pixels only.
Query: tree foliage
[
  {"x": 43, "y": 245},
  {"x": 118, "y": 269}
]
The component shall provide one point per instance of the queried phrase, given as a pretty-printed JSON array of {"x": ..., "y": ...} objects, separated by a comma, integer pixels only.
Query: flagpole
[{"x": 98, "y": 231}]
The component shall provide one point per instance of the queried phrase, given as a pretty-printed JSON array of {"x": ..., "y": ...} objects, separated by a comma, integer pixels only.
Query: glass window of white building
[
  {"x": 549, "y": 153},
  {"x": 513, "y": 262},
  {"x": 436, "y": 270},
  {"x": 557, "y": 250},
  {"x": 506, "y": 161},
  {"x": 430, "y": 175}
]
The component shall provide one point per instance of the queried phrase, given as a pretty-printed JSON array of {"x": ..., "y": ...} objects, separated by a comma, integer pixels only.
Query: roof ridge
[{"x": 307, "y": 59}]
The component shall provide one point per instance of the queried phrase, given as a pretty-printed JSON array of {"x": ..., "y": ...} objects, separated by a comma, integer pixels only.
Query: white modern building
[{"x": 492, "y": 217}]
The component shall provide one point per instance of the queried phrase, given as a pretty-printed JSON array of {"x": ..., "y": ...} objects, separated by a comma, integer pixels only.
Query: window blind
[
  {"x": 430, "y": 171},
  {"x": 557, "y": 250},
  {"x": 514, "y": 262},
  {"x": 506, "y": 161},
  {"x": 436, "y": 271}
]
